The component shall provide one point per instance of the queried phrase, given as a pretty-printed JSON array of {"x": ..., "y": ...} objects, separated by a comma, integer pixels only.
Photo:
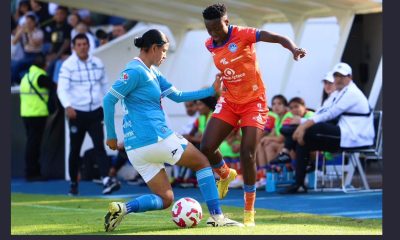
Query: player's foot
[
  {"x": 223, "y": 184},
  {"x": 112, "y": 184},
  {"x": 222, "y": 221},
  {"x": 116, "y": 212},
  {"x": 248, "y": 218}
]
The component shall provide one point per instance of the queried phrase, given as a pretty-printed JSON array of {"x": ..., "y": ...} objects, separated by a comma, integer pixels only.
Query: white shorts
[{"x": 150, "y": 159}]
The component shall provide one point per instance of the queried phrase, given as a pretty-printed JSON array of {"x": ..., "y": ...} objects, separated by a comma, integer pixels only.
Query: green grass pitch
[{"x": 63, "y": 215}]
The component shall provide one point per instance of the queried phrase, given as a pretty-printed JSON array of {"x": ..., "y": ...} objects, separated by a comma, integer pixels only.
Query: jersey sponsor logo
[
  {"x": 129, "y": 134},
  {"x": 232, "y": 47},
  {"x": 127, "y": 124},
  {"x": 223, "y": 61},
  {"x": 231, "y": 76},
  {"x": 229, "y": 72}
]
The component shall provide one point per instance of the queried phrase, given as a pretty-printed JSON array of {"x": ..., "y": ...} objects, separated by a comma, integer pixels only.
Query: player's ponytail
[
  {"x": 153, "y": 36},
  {"x": 138, "y": 42}
]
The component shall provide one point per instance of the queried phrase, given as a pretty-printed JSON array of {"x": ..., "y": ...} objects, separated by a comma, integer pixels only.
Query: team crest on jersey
[
  {"x": 232, "y": 47},
  {"x": 124, "y": 76}
]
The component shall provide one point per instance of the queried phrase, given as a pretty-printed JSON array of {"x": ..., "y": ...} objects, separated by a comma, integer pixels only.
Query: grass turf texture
[{"x": 33, "y": 214}]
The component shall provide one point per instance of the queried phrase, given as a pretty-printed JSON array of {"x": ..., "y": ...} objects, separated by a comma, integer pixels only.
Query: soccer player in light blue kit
[{"x": 148, "y": 141}]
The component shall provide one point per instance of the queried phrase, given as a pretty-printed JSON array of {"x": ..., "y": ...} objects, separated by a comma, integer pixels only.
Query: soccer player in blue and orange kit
[
  {"x": 233, "y": 51},
  {"x": 148, "y": 141}
]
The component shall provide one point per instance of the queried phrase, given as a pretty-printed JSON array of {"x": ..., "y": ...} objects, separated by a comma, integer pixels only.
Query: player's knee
[{"x": 248, "y": 154}]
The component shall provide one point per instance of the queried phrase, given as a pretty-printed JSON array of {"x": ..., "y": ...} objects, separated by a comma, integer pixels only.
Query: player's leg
[
  {"x": 161, "y": 198},
  {"x": 196, "y": 161},
  {"x": 216, "y": 131},
  {"x": 250, "y": 138}
]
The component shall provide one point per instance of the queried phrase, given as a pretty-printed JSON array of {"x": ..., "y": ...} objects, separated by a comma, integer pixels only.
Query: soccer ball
[{"x": 186, "y": 212}]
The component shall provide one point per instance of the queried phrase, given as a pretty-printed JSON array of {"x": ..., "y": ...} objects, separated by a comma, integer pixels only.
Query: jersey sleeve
[
  {"x": 127, "y": 81},
  {"x": 168, "y": 90},
  {"x": 251, "y": 35}
]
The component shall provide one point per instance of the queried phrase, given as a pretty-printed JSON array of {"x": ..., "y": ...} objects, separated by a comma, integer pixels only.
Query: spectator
[
  {"x": 23, "y": 9},
  {"x": 58, "y": 33},
  {"x": 117, "y": 31},
  {"x": 354, "y": 129},
  {"x": 41, "y": 11},
  {"x": 329, "y": 87},
  {"x": 82, "y": 28},
  {"x": 272, "y": 141},
  {"x": 81, "y": 87},
  {"x": 17, "y": 52},
  {"x": 34, "y": 95},
  {"x": 272, "y": 138},
  {"x": 31, "y": 38},
  {"x": 73, "y": 20},
  {"x": 298, "y": 114},
  {"x": 102, "y": 37},
  {"x": 84, "y": 15}
]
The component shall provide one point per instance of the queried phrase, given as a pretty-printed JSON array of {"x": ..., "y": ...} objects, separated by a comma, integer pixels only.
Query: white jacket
[
  {"x": 82, "y": 84},
  {"x": 356, "y": 131}
]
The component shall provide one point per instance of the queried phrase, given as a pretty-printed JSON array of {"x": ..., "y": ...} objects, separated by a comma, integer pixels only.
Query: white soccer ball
[{"x": 186, "y": 212}]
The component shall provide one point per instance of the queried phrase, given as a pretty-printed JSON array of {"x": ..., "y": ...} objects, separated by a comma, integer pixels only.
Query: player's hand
[
  {"x": 217, "y": 82},
  {"x": 299, "y": 53},
  {"x": 112, "y": 144},
  {"x": 71, "y": 113}
]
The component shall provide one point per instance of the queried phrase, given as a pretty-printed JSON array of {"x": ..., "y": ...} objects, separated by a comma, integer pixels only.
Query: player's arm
[
  {"x": 121, "y": 88},
  {"x": 271, "y": 37},
  {"x": 168, "y": 90}
]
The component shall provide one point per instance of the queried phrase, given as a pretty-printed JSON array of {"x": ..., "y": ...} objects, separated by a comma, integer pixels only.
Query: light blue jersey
[{"x": 140, "y": 90}]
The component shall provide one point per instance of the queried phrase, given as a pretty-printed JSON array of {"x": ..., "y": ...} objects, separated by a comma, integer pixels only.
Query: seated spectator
[
  {"x": 272, "y": 142},
  {"x": 354, "y": 129},
  {"x": 31, "y": 38},
  {"x": 298, "y": 114},
  {"x": 272, "y": 138}
]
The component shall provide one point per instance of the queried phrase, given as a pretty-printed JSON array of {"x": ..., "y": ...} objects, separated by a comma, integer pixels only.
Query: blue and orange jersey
[{"x": 236, "y": 60}]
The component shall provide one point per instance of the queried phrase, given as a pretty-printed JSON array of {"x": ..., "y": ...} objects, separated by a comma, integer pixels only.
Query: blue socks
[
  {"x": 206, "y": 183},
  {"x": 145, "y": 203}
]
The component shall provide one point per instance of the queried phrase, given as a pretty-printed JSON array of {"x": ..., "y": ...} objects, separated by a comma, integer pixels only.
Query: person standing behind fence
[
  {"x": 34, "y": 95},
  {"x": 82, "y": 85}
]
